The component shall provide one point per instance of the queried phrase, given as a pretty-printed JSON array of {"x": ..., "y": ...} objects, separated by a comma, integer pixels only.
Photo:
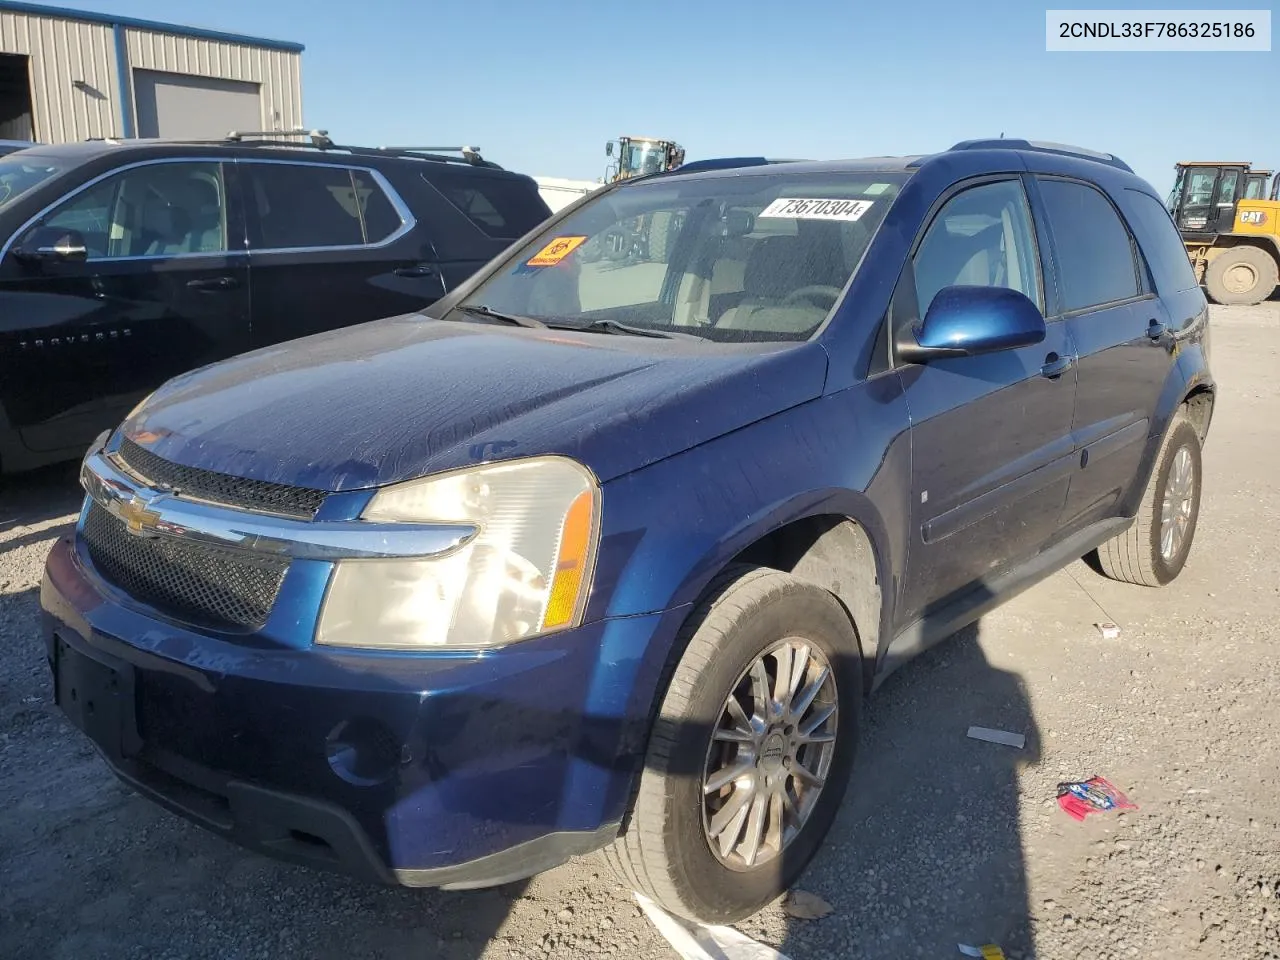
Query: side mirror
[
  {"x": 608, "y": 149},
  {"x": 53, "y": 243},
  {"x": 965, "y": 321}
]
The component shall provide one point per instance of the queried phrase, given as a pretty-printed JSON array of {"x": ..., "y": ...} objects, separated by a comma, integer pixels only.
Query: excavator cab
[
  {"x": 1204, "y": 197},
  {"x": 641, "y": 156}
]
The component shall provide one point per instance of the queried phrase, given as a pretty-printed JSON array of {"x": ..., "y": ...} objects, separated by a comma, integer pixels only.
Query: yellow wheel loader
[{"x": 1230, "y": 229}]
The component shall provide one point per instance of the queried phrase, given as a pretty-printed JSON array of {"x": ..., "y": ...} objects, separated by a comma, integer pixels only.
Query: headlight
[{"x": 527, "y": 570}]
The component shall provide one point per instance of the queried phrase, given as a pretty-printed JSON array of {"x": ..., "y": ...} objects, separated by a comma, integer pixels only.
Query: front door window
[{"x": 156, "y": 210}]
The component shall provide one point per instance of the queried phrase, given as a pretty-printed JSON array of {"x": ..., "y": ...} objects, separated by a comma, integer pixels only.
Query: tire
[
  {"x": 1242, "y": 276},
  {"x": 659, "y": 236},
  {"x": 664, "y": 852},
  {"x": 1136, "y": 556}
]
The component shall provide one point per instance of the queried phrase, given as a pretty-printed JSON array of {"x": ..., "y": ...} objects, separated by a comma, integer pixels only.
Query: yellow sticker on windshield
[{"x": 555, "y": 251}]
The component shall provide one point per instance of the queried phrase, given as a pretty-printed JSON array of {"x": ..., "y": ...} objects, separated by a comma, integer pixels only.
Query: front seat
[
  {"x": 777, "y": 267},
  {"x": 182, "y": 216}
]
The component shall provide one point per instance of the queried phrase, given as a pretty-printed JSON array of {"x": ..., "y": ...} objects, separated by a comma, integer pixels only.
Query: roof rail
[
  {"x": 1044, "y": 146},
  {"x": 319, "y": 138},
  {"x": 470, "y": 154}
]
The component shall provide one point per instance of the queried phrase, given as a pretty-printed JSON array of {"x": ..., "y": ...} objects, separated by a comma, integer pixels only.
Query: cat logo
[
  {"x": 1255, "y": 217},
  {"x": 139, "y": 519}
]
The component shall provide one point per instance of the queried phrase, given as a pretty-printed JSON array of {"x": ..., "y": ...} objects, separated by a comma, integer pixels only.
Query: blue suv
[{"x": 604, "y": 549}]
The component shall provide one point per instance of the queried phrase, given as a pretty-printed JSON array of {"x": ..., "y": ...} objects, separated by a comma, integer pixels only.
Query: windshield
[
  {"x": 761, "y": 257},
  {"x": 1176, "y": 193},
  {"x": 641, "y": 158},
  {"x": 20, "y": 173}
]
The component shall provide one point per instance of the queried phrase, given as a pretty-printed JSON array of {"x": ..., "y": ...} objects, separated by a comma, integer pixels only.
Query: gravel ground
[{"x": 942, "y": 840}]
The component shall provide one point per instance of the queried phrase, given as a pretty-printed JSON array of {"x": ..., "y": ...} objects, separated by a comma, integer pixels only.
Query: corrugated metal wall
[
  {"x": 277, "y": 71},
  {"x": 63, "y": 51}
]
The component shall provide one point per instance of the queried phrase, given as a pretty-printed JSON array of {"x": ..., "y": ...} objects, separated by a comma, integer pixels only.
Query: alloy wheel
[
  {"x": 770, "y": 754},
  {"x": 1175, "y": 511}
]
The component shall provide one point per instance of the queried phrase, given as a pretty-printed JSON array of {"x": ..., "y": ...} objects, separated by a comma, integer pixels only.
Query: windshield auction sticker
[
  {"x": 801, "y": 208},
  {"x": 555, "y": 251}
]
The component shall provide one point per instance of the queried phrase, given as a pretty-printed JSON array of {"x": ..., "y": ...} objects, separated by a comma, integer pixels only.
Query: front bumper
[{"x": 426, "y": 770}]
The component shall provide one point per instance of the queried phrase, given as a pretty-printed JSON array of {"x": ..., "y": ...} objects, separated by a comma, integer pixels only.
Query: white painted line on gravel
[
  {"x": 696, "y": 941},
  {"x": 998, "y": 736}
]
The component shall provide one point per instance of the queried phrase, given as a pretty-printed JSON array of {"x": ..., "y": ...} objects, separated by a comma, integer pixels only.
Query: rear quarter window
[
  {"x": 500, "y": 207},
  {"x": 1160, "y": 242}
]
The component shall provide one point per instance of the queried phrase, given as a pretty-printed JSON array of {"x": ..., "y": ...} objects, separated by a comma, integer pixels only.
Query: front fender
[{"x": 669, "y": 528}]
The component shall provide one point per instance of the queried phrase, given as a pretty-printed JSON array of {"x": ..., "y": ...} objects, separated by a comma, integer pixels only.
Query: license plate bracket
[{"x": 96, "y": 692}]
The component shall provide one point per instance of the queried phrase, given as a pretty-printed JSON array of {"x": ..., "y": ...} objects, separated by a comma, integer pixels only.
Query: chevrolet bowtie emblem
[{"x": 139, "y": 519}]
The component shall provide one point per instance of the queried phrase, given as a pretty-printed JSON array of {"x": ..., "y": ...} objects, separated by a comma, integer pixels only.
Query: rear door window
[
  {"x": 1095, "y": 253},
  {"x": 300, "y": 206}
]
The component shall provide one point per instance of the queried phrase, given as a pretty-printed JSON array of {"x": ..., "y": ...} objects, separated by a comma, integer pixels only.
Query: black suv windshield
[
  {"x": 755, "y": 257},
  {"x": 20, "y": 172}
]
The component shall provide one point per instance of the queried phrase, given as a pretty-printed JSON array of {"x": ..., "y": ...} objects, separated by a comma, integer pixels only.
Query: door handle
[
  {"x": 213, "y": 283},
  {"x": 417, "y": 270},
  {"x": 1156, "y": 329},
  {"x": 1055, "y": 366}
]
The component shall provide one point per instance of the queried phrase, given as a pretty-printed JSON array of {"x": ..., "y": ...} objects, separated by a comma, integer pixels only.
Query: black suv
[{"x": 125, "y": 263}]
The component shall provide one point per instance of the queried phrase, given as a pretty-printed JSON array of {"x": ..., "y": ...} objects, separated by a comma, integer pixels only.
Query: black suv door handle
[
  {"x": 417, "y": 270},
  {"x": 1055, "y": 366},
  {"x": 213, "y": 283},
  {"x": 1156, "y": 329}
]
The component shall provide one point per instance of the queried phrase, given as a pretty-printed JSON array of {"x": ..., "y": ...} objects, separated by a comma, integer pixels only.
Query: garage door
[{"x": 181, "y": 106}]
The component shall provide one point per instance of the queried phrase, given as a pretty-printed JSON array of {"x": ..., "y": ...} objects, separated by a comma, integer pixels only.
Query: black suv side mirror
[
  {"x": 965, "y": 321},
  {"x": 53, "y": 244}
]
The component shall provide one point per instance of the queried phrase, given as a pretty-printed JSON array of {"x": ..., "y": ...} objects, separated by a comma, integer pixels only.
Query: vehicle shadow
[
  {"x": 927, "y": 852},
  {"x": 30, "y": 499}
]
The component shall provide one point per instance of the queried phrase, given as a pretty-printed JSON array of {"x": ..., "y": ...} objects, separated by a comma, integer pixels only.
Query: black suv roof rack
[
  {"x": 1044, "y": 146},
  {"x": 320, "y": 140}
]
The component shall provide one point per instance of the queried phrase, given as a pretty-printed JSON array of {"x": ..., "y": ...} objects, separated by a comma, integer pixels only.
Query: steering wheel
[{"x": 811, "y": 291}]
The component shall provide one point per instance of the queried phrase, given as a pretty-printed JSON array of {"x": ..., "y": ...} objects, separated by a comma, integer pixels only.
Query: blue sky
[{"x": 541, "y": 86}]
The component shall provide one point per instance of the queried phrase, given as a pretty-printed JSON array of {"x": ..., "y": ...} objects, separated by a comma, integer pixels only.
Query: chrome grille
[
  {"x": 260, "y": 495},
  {"x": 190, "y": 581}
]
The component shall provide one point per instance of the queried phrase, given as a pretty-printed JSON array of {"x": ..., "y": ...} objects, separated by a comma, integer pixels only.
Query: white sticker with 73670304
[{"x": 802, "y": 208}]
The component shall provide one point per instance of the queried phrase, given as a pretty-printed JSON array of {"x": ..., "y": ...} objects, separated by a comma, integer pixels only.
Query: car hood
[{"x": 408, "y": 396}]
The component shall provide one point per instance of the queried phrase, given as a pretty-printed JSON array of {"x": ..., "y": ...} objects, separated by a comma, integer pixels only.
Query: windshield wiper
[
  {"x": 613, "y": 326},
  {"x": 481, "y": 310}
]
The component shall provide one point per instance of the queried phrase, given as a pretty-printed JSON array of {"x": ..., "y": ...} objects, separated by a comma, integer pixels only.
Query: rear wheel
[
  {"x": 749, "y": 755},
  {"x": 1241, "y": 276},
  {"x": 1154, "y": 550}
]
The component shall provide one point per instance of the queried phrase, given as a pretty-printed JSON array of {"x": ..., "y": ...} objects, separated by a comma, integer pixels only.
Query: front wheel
[
  {"x": 1153, "y": 551},
  {"x": 1242, "y": 276},
  {"x": 750, "y": 753}
]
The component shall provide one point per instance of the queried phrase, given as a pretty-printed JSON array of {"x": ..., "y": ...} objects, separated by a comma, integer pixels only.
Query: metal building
[{"x": 68, "y": 75}]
